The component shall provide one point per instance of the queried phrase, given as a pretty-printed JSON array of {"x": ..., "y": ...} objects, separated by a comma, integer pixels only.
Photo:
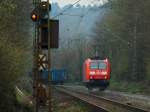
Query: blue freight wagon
[{"x": 58, "y": 76}]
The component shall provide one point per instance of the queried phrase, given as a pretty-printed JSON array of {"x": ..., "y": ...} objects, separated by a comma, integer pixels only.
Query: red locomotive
[{"x": 96, "y": 73}]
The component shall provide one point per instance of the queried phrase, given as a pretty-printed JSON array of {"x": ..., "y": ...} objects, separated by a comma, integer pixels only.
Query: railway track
[{"x": 99, "y": 102}]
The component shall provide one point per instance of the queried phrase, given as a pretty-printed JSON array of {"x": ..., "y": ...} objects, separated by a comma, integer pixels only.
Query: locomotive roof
[{"x": 98, "y": 58}]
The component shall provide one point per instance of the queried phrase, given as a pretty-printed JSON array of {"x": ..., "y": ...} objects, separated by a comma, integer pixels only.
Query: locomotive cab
[{"x": 96, "y": 73}]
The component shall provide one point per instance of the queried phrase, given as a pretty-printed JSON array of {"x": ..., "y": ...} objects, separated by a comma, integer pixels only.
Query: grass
[
  {"x": 74, "y": 106},
  {"x": 24, "y": 104},
  {"x": 64, "y": 103},
  {"x": 129, "y": 87}
]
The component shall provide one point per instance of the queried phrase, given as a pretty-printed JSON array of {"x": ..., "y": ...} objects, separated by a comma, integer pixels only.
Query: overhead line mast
[{"x": 45, "y": 38}]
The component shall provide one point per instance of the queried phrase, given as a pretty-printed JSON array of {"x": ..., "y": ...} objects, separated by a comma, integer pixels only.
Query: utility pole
[{"x": 134, "y": 67}]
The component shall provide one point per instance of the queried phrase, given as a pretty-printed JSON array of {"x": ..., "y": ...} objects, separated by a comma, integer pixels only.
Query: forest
[
  {"x": 122, "y": 35},
  {"x": 15, "y": 50}
]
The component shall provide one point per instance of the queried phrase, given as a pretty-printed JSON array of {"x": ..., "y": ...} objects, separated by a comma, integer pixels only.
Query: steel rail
[
  {"x": 100, "y": 102},
  {"x": 81, "y": 97}
]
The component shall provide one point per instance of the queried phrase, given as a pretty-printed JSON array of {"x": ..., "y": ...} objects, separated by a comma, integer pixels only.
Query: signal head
[{"x": 34, "y": 17}]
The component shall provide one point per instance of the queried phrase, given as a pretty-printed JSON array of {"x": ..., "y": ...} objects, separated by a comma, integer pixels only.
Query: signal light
[
  {"x": 35, "y": 14},
  {"x": 40, "y": 11},
  {"x": 34, "y": 17}
]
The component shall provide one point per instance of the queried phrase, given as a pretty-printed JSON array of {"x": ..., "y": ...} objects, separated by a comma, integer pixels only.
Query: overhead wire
[
  {"x": 82, "y": 15},
  {"x": 66, "y": 9},
  {"x": 91, "y": 2},
  {"x": 62, "y": 12},
  {"x": 72, "y": 14}
]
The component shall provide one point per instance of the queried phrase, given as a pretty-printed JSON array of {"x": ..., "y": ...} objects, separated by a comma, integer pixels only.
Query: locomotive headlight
[
  {"x": 103, "y": 73},
  {"x": 105, "y": 77},
  {"x": 92, "y": 73},
  {"x": 91, "y": 77}
]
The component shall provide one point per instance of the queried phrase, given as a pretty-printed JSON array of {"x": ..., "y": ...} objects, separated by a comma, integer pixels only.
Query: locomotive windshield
[
  {"x": 94, "y": 65},
  {"x": 102, "y": 65},
  {"x": 99, "y": 65}
]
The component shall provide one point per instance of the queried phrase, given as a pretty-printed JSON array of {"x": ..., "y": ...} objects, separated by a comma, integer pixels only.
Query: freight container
[{"x": 58, "y": 76}]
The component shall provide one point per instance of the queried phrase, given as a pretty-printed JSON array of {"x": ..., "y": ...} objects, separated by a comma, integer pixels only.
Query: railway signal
[
  {"x": 35, "y": 14},
  {"x": 44, "y": 6},
  {"x": 34, "y": 17},
  {"x": 40, "y": 11}
]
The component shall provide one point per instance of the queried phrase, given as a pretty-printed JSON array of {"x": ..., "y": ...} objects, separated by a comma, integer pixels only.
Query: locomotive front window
[
  {"x": 94, "y": 65},
  {"x": 102, "y": 65}
]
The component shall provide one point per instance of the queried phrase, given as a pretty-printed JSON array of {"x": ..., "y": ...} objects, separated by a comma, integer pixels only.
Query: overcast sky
[{"x": 82, "y": 2}]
